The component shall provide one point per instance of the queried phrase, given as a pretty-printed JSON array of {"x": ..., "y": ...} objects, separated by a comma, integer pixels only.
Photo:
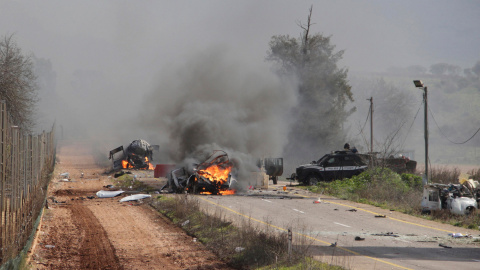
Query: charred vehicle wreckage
[
  {"x": 137, "y": 155},
  {"x": 345, "y": 164},
  {"x": 461, "y": 199},
  {"x": 212, "y": 176}
]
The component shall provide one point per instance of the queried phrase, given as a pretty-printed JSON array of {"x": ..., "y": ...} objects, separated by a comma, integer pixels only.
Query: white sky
[{"x": 131, "y": 42}]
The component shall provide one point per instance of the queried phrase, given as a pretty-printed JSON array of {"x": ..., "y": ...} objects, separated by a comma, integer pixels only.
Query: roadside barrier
[{"x": 26, "y": 162}]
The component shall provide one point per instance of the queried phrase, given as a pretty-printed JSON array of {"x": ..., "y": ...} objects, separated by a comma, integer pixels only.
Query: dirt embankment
[{"x": 81, "y": 231}]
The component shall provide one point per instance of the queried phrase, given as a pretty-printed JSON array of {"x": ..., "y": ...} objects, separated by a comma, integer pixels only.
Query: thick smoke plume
[{"x": 218, "y": 102}]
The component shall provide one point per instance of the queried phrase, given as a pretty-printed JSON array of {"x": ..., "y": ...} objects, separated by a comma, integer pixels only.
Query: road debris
[
  {"x": 358, "y": 238},
  {"x": 386, "y": 234},
  {"x": 135, "y": 197},
  {"x": 459, "y": 235},
  {"x": 109, "y": 194},
  {"x": 444, "y": 246},
  {"x": 381, "y": 216},
  {"x": 352, "y": 210},
  {"x": 333, "y": 244}
]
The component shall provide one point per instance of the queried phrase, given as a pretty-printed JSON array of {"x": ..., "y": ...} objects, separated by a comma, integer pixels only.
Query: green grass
[{"x": 384, "y": 188}]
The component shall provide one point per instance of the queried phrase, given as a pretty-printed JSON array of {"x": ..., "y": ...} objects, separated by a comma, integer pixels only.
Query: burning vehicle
[
  {"x": 212, "y": 176},
  {"x": 138, "y": 155},
  {"x": 460, "y": 199}
]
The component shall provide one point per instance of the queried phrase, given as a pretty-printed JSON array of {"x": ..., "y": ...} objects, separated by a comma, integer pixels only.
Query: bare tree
[{"x": 17, "y": 83}]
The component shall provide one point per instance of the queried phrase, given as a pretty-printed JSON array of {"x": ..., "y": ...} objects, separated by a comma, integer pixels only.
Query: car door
[{"x": 332, "y": 167}]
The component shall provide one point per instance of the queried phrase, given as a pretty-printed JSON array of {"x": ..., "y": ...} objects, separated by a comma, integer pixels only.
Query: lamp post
[{"x": 419, "y": 84}]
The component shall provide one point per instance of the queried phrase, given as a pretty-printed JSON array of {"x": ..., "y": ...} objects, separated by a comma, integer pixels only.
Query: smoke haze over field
[{"x": 162, "y": 70}]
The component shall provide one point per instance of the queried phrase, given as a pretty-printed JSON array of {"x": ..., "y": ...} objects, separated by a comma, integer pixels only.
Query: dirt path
[{"x": 81, "y": 231}]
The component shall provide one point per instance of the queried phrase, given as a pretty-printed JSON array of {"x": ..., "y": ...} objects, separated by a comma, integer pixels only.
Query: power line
[
  {"x": 366, "y": 120},
  {"x": 443, "y": 134},
  {"x": 409, "y": 129}
]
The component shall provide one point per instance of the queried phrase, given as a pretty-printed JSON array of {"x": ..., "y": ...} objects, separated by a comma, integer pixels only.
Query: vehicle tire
[
  {"x": 312, "y": 180},
  {"x": 275, "y": 180}
]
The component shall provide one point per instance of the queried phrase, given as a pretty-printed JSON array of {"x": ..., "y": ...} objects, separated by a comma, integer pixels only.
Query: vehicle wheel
[
  {"x": 275, "y": 180},
  {"x": 313, "y": 180},
  {"x": 470, "y": 210}
]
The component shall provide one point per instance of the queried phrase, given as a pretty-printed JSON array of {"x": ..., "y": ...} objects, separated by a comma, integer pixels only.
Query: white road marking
[
  {"x": 266, "y": 200},
  {"x": 298, "y": 211},
  {"x": 403, "y": 240},
  {"x": 342, "y": 224}
]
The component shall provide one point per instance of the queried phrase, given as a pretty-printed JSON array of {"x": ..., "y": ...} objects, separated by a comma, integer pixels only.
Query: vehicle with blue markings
[{"x": 336, "y": 165}]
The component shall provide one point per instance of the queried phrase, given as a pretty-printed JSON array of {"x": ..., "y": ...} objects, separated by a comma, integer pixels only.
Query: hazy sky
[{"x": 129, "y": 44}]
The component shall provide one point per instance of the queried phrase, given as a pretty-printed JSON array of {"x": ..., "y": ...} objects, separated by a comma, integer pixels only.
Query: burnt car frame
[
  {"x": 138, "y": 154},
  {"x": 199, "y": 180}
]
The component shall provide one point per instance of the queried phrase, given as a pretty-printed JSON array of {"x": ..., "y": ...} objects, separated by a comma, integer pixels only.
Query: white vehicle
[{"x": 460, "y": 199}]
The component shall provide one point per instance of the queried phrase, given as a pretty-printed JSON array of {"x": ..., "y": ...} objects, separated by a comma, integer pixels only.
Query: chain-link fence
[{"x": 26, "y": 161}]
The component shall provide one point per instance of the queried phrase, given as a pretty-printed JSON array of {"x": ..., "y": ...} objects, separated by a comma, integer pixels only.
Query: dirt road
[{"x": 81, "y": 231}]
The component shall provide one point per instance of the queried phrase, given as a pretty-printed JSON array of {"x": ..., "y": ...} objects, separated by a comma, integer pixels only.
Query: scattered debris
[
  {"x": 108, "y": 186},
  {"x": 49, "y": 246},
  {"x": 352, "y": 210},
  {"x": 109, "y": 194},
  {"x": 120, "y": 173},
  {"x": 91, "y": 197},
  {"x": 381, "y": 216},
  {"x": 185, "y": 223},
  {"x": 135, "y": 197},
  {"x": 65, "y": 175},
  {"x": 358, "y": 238},
  {"x": 336, "y": 209},
  {"x": 239, "y": 249},
  {"x": 317, "y": 200},
  {"x": 333, "y": 244},
  {"x": 444, "y": 246},
  {"x": 386, "y": 234},
  {"x": 459, "y": 235}
]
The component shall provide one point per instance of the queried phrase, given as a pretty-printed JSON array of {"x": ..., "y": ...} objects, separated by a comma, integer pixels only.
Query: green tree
[
  {"x": 323, "y": 91},
  {"x": 17, "y": 83}
]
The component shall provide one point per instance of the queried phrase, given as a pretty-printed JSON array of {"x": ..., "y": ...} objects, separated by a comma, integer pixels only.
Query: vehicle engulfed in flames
[
  {"x": 138, "y": 155},
  {"x": 213, "y": 176}
]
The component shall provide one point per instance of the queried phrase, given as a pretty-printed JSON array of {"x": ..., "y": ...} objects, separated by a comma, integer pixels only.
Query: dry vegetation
[
  {"x": 243, "y": 247},
  {"x": 385, "y": 188}
]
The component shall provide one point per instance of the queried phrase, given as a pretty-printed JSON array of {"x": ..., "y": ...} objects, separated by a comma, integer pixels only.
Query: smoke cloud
[{"x": 216, "y": 101}]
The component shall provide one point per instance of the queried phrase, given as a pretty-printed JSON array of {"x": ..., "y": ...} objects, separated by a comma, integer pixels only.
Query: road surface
[{"x": 396, "y": 241}]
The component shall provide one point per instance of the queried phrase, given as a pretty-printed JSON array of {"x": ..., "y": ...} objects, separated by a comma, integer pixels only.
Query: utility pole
[
  {"x": 371, "y": 124},
  {"x": 425, "y": 100},
  {"x": 419, "y": 84}
]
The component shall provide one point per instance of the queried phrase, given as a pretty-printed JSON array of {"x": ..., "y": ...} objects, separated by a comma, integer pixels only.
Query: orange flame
[
  {"x": 228, "y": 192},
  {"x": 127, "y": 165},
  {"x": 216, "y": 173}
]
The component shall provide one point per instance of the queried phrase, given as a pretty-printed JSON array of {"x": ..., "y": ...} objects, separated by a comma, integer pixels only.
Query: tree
[
  {"x": 17, "y": 83},
  {"x": 323, "y": 91}
]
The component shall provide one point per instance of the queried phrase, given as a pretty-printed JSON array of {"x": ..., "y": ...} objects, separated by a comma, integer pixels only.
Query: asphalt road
[{"x": 396, "y": 241}]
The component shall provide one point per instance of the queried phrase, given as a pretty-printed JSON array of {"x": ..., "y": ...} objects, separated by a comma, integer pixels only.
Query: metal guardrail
[{"x": 26, "y": 160}]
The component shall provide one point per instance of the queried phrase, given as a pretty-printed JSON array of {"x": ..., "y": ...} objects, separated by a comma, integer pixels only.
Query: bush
[{"x": 379, "y": 186}]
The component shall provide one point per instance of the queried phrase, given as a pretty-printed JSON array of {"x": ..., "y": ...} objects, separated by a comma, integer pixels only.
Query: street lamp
[{"x": 419, "y": 84}]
